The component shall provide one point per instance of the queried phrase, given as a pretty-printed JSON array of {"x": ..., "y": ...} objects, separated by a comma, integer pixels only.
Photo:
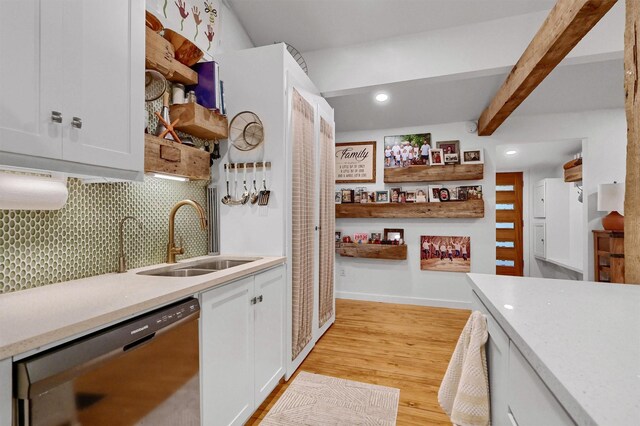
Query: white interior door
[
  {"x": 293, "y": 364},
  {"x": 325, "y": 112},
  {"x": 104, "y": 62},
  {"x": 30, "y": 77}
]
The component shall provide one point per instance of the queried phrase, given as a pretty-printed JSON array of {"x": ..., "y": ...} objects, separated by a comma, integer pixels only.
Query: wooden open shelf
[
  {"x": 198, "y": 121},
  {"x": 434, "y": 173},
  {"x": 168, "y": 157},
  {"x": 450, "y": 209},
  {"x": 574, "y": 174},
  {"x": 159, "y": 56},
  {"x": 373, "y": 251}
]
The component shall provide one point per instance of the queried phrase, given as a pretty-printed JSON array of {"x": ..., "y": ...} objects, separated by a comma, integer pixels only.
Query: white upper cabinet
[
  {"x": 72, "y": 84},
  {"x": 539, "y": 209},
  {"x": 30, "y": 94}
]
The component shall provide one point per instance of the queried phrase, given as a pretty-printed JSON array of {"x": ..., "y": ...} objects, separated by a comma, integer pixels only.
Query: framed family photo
[
  {"x": 449, "y": 147},
  {"x": 473, "y": 156},
  {"x": 436, "y": 157}
]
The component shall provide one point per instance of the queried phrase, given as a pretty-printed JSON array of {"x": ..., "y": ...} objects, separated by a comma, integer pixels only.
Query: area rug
[{"x": 313, "y": 399}]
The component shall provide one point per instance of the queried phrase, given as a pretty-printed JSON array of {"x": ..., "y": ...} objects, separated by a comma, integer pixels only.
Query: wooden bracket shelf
[
  {"x": 574, "y": 174},
  {"x": 450, "y": 209},
  {"x": 447, "y": 172},
  {"x": 198, "y": 121},
  {"x": 373, "y": 251},
  {"x": 168, "y": 157},
  {"x": 159, "y": 56}
]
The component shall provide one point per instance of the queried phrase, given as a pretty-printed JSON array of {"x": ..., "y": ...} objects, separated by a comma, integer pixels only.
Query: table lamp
[{"x": 611, "y": 199}]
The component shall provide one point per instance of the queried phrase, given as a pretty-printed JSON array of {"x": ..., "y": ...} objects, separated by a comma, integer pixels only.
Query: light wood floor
[{"x": 401, "y": 346}]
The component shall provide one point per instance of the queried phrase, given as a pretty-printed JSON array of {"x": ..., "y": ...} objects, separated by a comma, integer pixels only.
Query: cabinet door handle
[
  {"x": 56, "y": 116},
  {"x": 76, "y": 122},
  {"x": 254, "y": 300},
  {"x": 260, "y": 299}
]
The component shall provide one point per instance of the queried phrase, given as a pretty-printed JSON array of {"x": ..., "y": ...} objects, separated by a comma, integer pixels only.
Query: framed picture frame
[
  {"x": 451, "y": 159},
  {"x": 395, "y": 195},
  {"x": 356, "y": 162},
  {"x": 444, "y": 194},
  {"x": 473, "y": 156},
  {"x": 436, "y": 157},
  {"x": 338, "y": 197},
  {"x": 376, "y": 236},
  {"x": 421, "y": 196},
  {"x": 411, "y": 196},
  {"x": 449, "y": 147},
  {"x": 393, "y": 234},
  {"x": 434, "y": 193},
  {"x": 470, "y": 192},
  {"x": 364, "y": 197},
  {"x": 347, "y": 196},
  {"x": 394, "y": 147},
  {"x": 382, "y": 196}
]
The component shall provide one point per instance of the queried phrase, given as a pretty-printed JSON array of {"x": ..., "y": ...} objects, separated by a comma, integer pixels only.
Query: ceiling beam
[
  {"x": 568, "y": 22},
  {"x": 632, "y": 189}
]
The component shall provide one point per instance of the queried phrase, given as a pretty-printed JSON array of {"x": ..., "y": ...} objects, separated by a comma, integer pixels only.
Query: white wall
[
  {"x": 229, "y": 34},
  {"x": 403, "y": 281},
  {"x": 234, "y": 36},
  {"x": 604, "y": 134}
]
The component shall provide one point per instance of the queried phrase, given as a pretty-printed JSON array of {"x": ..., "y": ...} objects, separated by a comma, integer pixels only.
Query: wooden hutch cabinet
[{"x": 608, "y": 249}]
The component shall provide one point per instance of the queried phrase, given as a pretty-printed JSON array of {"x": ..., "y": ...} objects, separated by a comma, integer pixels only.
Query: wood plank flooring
[{"x": 402, "y": 346}]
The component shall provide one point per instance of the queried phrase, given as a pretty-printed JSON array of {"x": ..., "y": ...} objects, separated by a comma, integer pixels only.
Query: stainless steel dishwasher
[{"x": 140, "y": 372}]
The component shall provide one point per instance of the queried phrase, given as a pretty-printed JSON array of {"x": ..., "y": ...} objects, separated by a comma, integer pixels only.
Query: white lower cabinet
[
  {"x": 6, "y": 394},
  {"x": 241, "y": 345},
  {"x": 497, "y": 350},
  {"x": 531, "y": 403},
  {"x": 539, "y": 244},
  {"x": 518, "y": 395}
]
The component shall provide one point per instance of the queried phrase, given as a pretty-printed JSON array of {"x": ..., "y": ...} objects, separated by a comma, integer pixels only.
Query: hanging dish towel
[{"x": 464, "y": 391}]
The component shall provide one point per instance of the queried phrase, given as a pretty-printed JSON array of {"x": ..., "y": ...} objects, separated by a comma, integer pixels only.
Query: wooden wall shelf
[
  {"x": 198, "y": 121},
  {"x": 159, "y": 56},
  {"x": 434, "y": 173},
  {"x": 574, "y": 174},
  {"x": 373, "y": 251},
  {"x": 451, "y": 209},
  {"x": 167, "y": 157}
]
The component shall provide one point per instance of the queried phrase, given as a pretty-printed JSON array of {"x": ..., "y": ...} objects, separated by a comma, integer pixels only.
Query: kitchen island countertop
[
  {"x": 581, "y": 338},
  {"x": 35, "y": 319}
]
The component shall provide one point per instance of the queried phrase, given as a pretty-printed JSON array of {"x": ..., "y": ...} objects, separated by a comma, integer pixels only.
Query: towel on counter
[{"x": 464, "y": 391}]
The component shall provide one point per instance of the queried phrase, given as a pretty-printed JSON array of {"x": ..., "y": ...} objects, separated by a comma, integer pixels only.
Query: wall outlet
[{"x": 341, "y": 272}]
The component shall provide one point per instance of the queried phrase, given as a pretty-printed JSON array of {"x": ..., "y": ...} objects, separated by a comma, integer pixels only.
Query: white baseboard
[{"x": 405, "y": 300}]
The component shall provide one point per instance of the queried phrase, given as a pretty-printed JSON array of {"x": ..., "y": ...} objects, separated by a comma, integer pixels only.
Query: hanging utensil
[
  {"x": 263, "y": 197},
  {"x": 245, "y": 195},
  {"x": 227, "y": 198},
  {"x": 255, "y": 192}
]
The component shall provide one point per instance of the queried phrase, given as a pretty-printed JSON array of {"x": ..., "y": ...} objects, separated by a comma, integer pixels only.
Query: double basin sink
[{"x": 201, "y": 267}]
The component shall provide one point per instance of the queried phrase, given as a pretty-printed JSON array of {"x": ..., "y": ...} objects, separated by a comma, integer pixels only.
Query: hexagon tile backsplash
[{"x": 81, "y": 240}]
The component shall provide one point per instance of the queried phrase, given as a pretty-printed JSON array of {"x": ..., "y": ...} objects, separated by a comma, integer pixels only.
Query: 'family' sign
[{"x": 356, "y": 162}]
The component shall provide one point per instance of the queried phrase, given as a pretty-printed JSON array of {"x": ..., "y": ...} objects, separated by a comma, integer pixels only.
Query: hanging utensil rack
[{"x": 251, "y": 194}]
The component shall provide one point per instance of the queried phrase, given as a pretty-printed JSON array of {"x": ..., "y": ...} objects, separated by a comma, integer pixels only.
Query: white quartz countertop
[
  {"x": 36, "y": 318},
  {"x": 582, "y": 338}
]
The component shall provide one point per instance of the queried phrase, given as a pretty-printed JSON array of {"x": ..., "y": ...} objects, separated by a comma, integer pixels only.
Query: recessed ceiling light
[
  {"x": 512, "y": 152},
  {"x": 508, "y": 307},
  {"x": 382, "y": 97}
]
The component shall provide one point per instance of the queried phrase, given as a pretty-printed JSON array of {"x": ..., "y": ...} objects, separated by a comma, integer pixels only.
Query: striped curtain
[
  {"x": 302, "y": 229},
  {"x": 327, "y": 220}
]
